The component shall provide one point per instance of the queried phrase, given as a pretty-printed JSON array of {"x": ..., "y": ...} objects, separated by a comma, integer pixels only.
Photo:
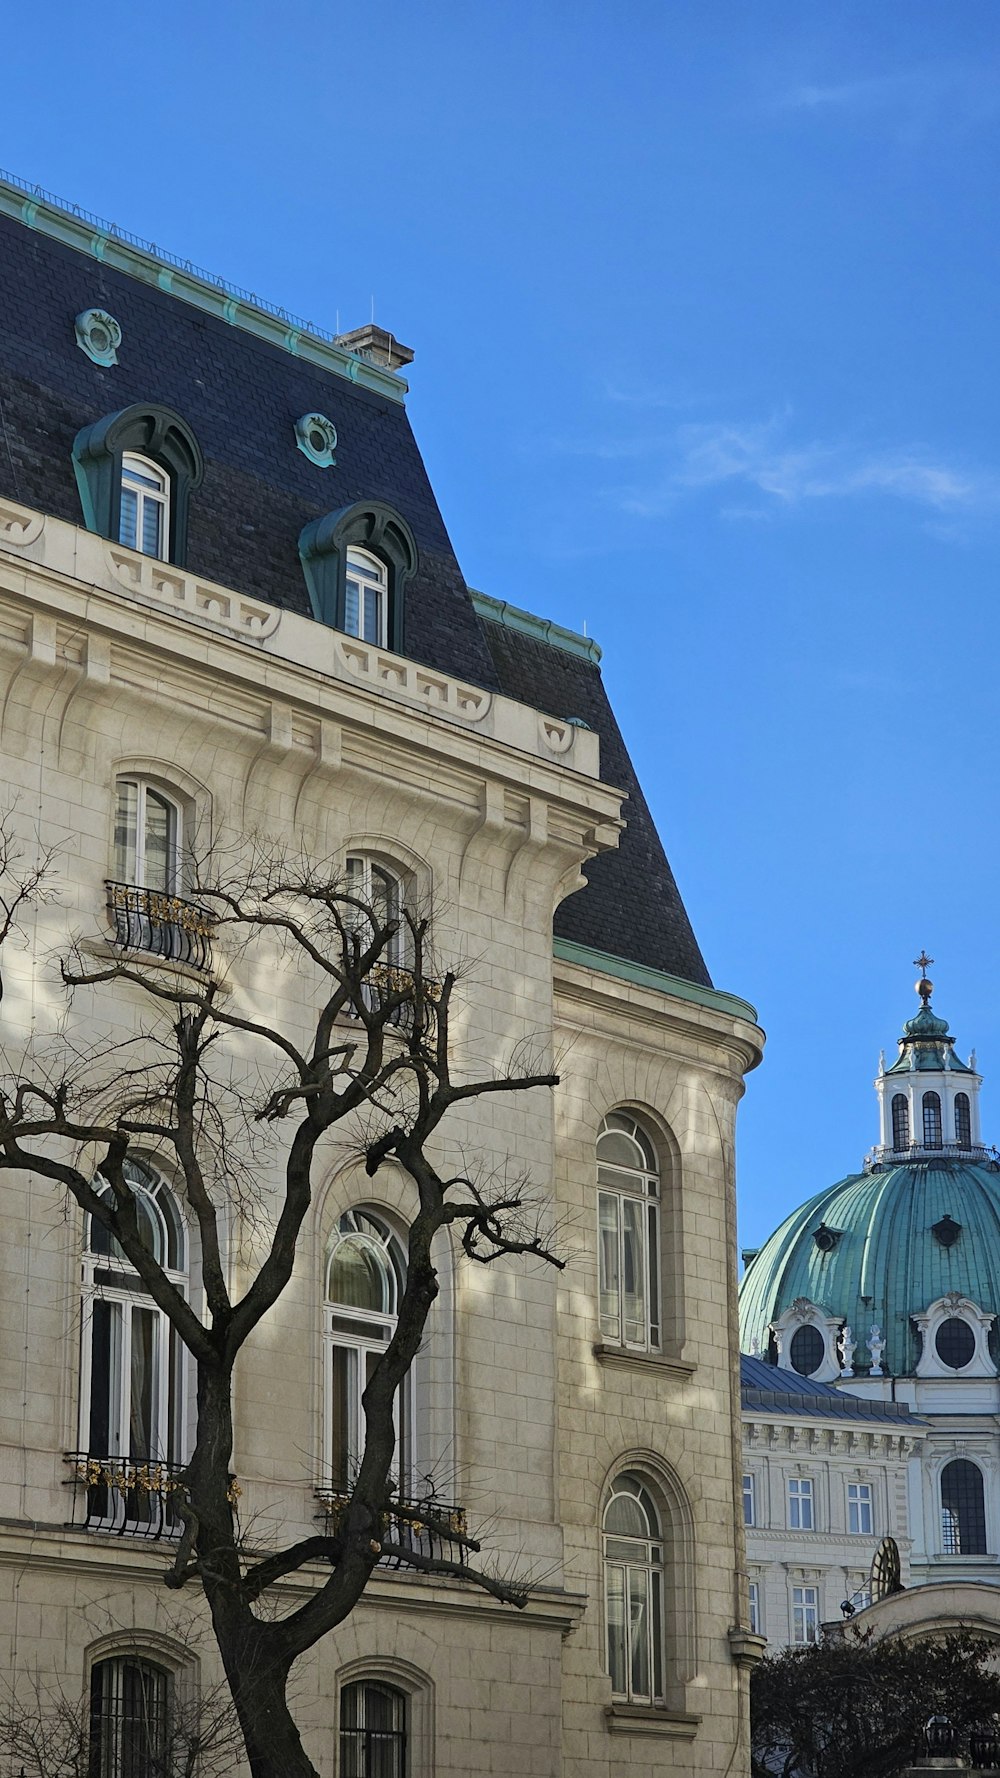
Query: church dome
[{"x": 895, "y": 1269}]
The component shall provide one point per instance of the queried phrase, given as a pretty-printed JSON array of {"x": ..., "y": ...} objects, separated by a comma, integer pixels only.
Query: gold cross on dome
[
  {"x": 924, "y": 987},
  {"x": 923, "y": 962}
]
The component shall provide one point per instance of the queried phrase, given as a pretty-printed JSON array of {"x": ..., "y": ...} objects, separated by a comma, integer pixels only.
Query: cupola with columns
[{"x": 928, "y": 1098}]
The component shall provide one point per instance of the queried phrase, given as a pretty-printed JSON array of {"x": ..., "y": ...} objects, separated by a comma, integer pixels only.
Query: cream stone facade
[{"x": 254, "y": 718}]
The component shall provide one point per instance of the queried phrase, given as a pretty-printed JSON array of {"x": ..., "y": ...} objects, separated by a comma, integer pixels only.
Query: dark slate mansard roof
[{"x": 241, "y": 395}]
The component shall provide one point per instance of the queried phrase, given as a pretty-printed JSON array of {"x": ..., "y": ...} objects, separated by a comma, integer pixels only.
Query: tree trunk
[{"x": 274, "y": 1746}]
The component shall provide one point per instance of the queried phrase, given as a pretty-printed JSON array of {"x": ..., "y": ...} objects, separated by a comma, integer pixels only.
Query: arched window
[
  {"x": 365, "y": 1276},
  {"x": 144, "y": 515},
  {"x": 629, "y": 1244},
  {"x": 129, "y": 1719},
  {"x": 633, "y": 1591},
  {"x": 963, "y": 1120},
  {"x": 932, "y": 1120},
  {"x": 133, "y": 1383},
  {"x": 373, "y": 1730},
  {"x": 963, "y": 1509},
  {"x": 380, "y": 895},
  {"x": 148, "y": 836},
  {"x": 135, "y": 471},
  {"x": 366, "y": 599},
  {"x": 900, "y": 1121}
]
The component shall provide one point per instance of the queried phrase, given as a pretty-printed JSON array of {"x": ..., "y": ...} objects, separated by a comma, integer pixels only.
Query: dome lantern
[{"x": 928, "y": 1098}]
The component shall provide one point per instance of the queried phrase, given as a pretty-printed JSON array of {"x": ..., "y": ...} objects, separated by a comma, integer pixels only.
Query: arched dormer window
[
  {"x": 358, "y": 560},
  {"x": 900, "y": 1122},
  {"x": 365, "y": 1275},
  {"x": 133, "y": 1388},
  {"x": 633, "y": 1591},
  {"x": 931, "y": 1107},
  {"x": 805, "y": 1340},
  {"x": 963, "y": 1120},
  {"x": 628, "y": 1196},
  {"x": 963, "y": 1509},
  {"x": 135, "y": 471}
]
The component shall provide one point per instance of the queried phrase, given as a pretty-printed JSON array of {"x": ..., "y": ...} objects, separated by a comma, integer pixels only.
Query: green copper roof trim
[
  {"x": 499, "y": 611},
  {"x": 644, "y": 977},
  {"x": 137, "y": 258}
]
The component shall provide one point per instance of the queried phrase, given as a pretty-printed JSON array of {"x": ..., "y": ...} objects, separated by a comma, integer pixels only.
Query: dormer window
[
  {"x": 366, "y": 597},
  {"x": 807, "y": 1351},
  {"x": 144, "y": 518},
  {"x": 955, "y": 1339}
]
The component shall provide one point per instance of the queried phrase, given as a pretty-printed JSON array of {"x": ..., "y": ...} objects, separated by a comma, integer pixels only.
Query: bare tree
[{"x": 243, "y": 1106}]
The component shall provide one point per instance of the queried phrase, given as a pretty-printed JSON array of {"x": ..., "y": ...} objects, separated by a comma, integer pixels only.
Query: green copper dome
[{"x": 887, "y": 1262}]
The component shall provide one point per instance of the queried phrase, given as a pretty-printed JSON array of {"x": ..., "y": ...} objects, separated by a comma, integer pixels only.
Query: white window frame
[
  {"x": 749, "y": 1499},
  {"x": 137, "y": 473},
  {"x": 145, "y": 788},
  {"x": 124, "y": 1290},
  {"x": 364, "y": 874},
  {"x": 801, "y": 1498},
  {"x": 348, "y": 1330},
  {"x": 629, "y": 1195},
  {"x": 366, "y": 574},
  {"x": 860, "y": 1509},
  {"x": 638, "y": 1563},
  {"x": 805, "y": 1613},
  {"x": 753, "y": 1593}
]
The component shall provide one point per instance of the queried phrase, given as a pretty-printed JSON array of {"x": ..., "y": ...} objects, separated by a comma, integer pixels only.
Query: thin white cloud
[
  {"x": 969, "y": 91},
  {"x": 733, "y": 456}
]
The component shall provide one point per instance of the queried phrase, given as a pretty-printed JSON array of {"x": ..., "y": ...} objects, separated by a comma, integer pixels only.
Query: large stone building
[
  {"x": 228, "y": 603},
  {"x": 886, "y": 1286}
]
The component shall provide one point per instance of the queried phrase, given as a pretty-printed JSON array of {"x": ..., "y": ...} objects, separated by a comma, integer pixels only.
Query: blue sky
[{"x": 703, "y": 298}]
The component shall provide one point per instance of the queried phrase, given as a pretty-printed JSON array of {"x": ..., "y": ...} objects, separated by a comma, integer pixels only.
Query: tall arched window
[
  {"x": 129, "y": 1719},
  {"x": 366, "y": 600},
  {"x": 133, "y": 1382},
  {"x": 963, "y": 1120},
  {"x": 629, "y": 1233},
  {"x": 633, "y": 1591},
  {"x": 900, "y": 1121},
  {"x": 963, "y": 1509},
  {"x": 365, "y": 1275},
  {"x": 148, "y": 836},
  {"x": 380, "y": 895},
  {"x": 144, "y": 514},
  {"x": 373, "y": 1730},
  {"x": 932, "y": 1120}
]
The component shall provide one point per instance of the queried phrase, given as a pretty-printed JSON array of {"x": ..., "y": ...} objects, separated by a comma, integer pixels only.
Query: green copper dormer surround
[
  {"x": 152, "y": 431},
  {"x": 369, "y": 525}
]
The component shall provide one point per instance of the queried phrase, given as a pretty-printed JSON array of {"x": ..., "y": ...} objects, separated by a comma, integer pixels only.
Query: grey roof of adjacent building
[
  {"x": 222, "y": 365},
  {"x": 766, "y": 1389}
]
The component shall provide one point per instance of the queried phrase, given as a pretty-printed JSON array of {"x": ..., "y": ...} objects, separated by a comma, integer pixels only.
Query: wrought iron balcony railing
[
  {"x": 429, "y": 1528},
  {"x": 971, "y": 1153},
  {"x": 127, "y": 1497},
  {"x": 386, "y": 981},
  {"x": 161, "y": 925}
]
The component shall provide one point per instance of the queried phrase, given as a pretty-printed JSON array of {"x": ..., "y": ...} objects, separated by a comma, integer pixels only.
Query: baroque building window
[
  {"x": 380, "y": 894},
  {"x": 900, "y": 1121},
  {"x": 859, "y": 1509},
  {"x": 633, "y": 1591},
  {"x": 963, "y": 1120},
  {"x": 366, "y": 1272},
  {"x": 963, "y": 1509},
  {"x": 800, "y": 1504},
  {"x": 129, "y": 1718},
  {"x": 931, "y": 1107},
  {"x": 148, "y": 834},
  {"x": 373, "y": 1730},
  {"x": 629, "y": 1243}
]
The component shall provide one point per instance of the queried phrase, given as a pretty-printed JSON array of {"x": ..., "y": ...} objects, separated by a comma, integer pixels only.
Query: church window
[
  {"x": 955, "y": 1343},
  {"x": 633, "y": 1586},
  {"x": 144, "y": 515},
  {"x": 129, "y": 1719},
  {"x": 963, "y": 1509},
  {"x": 800, "y": 1504},
  {"x": 900, "y": 1121},
  {"x": 805, "y": 1614},
  {"x": 859, "y": 1509},
  {"x": 373, "y": 1730},
  {"x": 932, "y": 1120},
  {"x": 629, "y": 1239},
  {"x": 366, "y": 1273},
  {"x": 963, "y": 1120},
  {"x": 807, "y": 1350}
]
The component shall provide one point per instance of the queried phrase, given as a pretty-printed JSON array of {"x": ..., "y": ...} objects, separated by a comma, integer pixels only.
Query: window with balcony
[
  {"x": 800, "y": 1504},
  {"x": 859, "y": 1509},
  {"x": 629, "y": 1234},
  {"x": 805, "y": 1614},
  {"x": 145, "y": 901},
  {"x": 134, "y": 1374},
  {"x": 365, "y": 1276},
  {"x": 633, "y": 1591},
  {"x": 129, "y": 1729},
  {"x": 963, "y": 1509}
]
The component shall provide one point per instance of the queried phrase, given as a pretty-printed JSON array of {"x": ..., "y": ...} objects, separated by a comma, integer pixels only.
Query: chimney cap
[{"x": 375, "y": 344}]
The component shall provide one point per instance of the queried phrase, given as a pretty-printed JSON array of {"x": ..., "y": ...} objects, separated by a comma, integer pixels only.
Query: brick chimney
[{"x": 376, "y": 345}]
